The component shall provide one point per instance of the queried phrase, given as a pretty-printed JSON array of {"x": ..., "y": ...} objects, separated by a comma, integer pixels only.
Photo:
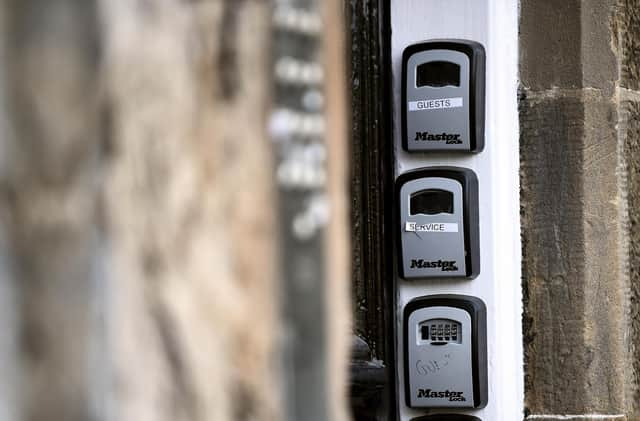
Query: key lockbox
[
  {"x": 445, "y": 352},
  {"x": 438, "y": 223},
  {"x": 443, "y": 96}
]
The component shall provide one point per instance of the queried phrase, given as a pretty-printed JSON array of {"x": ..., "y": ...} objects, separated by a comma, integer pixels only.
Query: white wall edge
[{"x": 494, "y": 23}]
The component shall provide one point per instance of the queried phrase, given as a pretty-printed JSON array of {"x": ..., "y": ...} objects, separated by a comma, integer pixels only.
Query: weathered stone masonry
[{"x": 580, "y": 175}]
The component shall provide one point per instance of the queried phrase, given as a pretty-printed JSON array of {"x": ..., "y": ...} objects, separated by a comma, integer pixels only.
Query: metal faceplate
[
  {"x": 432, "y": 244},
  {"x": 438, "y": 117},
  {"x": 440, "y": 370}
]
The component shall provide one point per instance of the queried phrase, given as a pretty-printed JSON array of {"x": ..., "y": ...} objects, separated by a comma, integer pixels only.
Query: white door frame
[{"x": 494, "y": 23}]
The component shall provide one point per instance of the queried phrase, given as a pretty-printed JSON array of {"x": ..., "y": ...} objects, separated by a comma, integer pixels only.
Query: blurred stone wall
[{"x": 140, "y": 250}]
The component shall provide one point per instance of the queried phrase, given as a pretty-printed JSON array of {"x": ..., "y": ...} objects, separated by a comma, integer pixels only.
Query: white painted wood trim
[{"x": 494, "y": 23}]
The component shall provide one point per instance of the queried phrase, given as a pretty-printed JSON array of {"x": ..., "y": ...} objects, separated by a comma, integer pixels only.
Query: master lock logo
[
  {"x": 450, "y": 396},
  {"x": 444, "y": 265},
  {"x": 450, "y": 139}
]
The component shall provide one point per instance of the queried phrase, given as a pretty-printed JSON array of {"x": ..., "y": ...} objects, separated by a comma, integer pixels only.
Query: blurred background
[{"x": 173, "y": 210}]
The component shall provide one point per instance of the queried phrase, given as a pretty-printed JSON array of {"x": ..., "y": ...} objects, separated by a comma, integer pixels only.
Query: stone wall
[{"x": 579, "y": 174}]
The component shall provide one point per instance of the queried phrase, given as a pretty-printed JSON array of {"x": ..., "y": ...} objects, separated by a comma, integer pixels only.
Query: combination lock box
[
  {"x": 445, "y": 352},
  {"x": 438, "y": 223},
  {"x": 443, "y": 96}
]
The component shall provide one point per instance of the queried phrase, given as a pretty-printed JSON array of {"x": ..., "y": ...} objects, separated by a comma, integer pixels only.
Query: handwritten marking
[{"x": 433, "y": 366}]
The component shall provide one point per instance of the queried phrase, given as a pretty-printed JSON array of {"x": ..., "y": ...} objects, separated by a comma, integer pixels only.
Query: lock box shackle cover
[
  {"x": 461, "y": 246},
  {"x": 443, "y": 85}
]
